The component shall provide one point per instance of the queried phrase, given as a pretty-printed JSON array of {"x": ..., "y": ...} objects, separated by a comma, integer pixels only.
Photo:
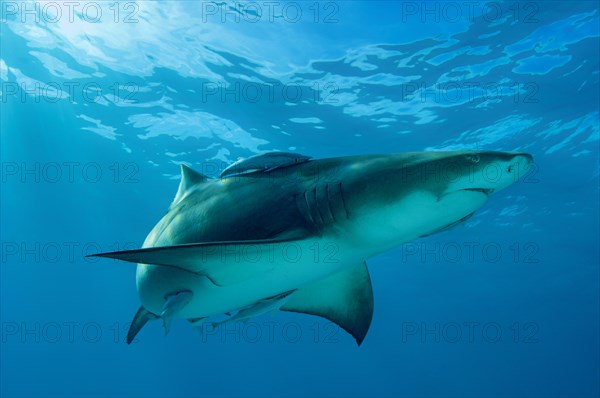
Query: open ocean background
[{"x": 99, "y": 106}]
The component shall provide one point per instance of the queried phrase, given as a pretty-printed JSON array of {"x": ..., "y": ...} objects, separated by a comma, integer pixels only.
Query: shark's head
[
  {"x": 416, "y": 194},
  {"x": 483, "y": 172}
]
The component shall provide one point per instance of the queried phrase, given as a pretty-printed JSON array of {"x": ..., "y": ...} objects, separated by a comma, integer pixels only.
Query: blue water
[{"x": 99, "y": 106}]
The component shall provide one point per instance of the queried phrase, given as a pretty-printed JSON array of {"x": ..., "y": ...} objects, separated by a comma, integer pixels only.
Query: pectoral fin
[
  {"x": 141, "y": 318},
  {"x": 345, "y": 298},
  {"x": 206, "y": 259}
]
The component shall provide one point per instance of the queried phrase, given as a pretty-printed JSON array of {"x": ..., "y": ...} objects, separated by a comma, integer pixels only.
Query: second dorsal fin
[{"x": 189, "y": 178}]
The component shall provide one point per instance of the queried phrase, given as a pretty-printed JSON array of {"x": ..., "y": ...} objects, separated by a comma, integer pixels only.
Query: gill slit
[
  {"x": 329, "y": 203},
  {"x": 344, "y": 202},
  {"x": 308, "y": 208},
  {"x": 317, "y": 206}
]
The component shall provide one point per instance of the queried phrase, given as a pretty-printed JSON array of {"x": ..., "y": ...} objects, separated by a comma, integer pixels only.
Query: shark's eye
[{"x": 510, "y": 168}]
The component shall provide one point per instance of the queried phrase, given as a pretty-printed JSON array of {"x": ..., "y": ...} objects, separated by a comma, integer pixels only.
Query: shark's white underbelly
[{"x": 288, "y": 266}]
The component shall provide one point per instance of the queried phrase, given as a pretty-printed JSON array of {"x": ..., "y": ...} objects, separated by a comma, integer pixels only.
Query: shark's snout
[
  {"x": 489, "y": 172},
  {"x": 501, "y": 173},
  {"x": 523, "y": 161},
  {"x": 517, "y": 167}
]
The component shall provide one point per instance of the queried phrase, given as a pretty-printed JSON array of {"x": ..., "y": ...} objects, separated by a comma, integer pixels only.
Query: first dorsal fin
[{"x": 189, "y": 178}]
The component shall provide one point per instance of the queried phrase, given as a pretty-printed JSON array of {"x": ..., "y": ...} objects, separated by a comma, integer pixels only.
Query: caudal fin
[{"x": 140, "y": 319}]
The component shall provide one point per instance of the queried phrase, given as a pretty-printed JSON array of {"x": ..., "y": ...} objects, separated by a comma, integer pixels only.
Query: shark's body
[{"x": 284, "y": 223}]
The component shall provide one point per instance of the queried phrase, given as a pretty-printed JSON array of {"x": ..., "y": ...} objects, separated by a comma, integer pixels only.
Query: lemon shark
[{"x": 282, "y": 231}]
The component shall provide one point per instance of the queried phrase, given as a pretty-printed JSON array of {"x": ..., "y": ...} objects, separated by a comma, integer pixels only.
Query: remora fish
[
  {"x": 262, "y": 307},
  {"x": 281, "y": 222}
]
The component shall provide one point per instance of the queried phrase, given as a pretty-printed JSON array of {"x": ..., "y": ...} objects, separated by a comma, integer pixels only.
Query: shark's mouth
[{"x": 485, "y": 191}]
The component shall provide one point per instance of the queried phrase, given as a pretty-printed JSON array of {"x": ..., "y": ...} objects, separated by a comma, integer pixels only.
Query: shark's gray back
[{"x": 300, "y": 200}]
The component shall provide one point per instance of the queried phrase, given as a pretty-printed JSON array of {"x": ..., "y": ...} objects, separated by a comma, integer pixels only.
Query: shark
[{"x": 282, "y": 231}]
